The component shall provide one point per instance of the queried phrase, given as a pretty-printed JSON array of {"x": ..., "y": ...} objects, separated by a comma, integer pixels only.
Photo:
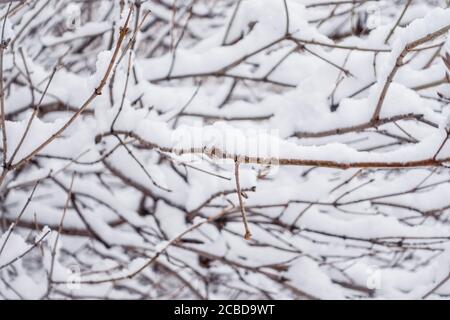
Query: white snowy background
[{"x": 142, "y": 139}]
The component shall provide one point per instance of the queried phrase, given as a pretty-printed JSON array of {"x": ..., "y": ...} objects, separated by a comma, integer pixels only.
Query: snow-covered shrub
[{"x": 224, "y": 149}]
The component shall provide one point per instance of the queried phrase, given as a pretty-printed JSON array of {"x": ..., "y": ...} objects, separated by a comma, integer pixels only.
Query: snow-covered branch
[{"x": 225, "y": 149}]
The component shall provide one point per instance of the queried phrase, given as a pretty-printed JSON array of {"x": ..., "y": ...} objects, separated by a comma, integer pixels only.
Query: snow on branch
[{"x": 276, "y": 149}]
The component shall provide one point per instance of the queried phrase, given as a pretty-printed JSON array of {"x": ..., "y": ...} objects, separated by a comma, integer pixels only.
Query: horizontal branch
[
  {"x": 361, "y": 127},
  {"x": 216, "y": 153}
]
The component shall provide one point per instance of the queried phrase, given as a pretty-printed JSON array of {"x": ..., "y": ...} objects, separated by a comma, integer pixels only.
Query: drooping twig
[{"x": 248, "y": 234}]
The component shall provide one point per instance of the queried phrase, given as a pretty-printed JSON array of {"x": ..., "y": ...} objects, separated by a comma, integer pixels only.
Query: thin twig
[{"x": 248, "y": 234}]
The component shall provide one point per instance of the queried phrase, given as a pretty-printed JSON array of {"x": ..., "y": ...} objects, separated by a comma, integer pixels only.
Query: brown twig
[{"x": 248, "y": 234}]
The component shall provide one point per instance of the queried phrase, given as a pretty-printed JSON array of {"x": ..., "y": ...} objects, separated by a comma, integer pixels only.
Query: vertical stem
[
  {"x": 3, "y": 46},
  {"x": 248, "y": 234}
]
